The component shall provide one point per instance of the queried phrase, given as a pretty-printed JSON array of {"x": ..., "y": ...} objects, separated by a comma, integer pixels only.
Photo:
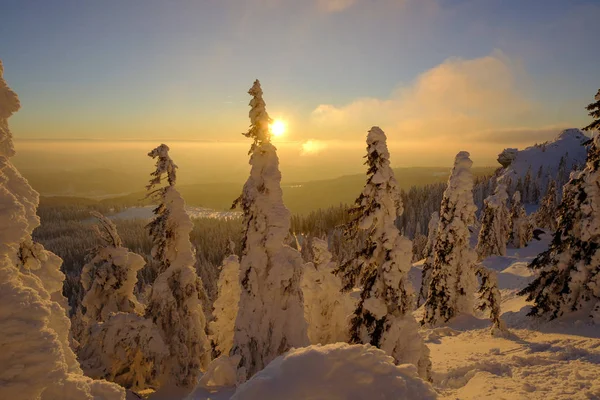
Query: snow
[
  {"x": 270, "y": 318},
  {"x": 225, "y": 311},
  {"x": 326, "y": 310},
  {"x": 36, "y": 358},
  {"x": 536, "y": 360},
  {"x": 567, "y": 144},
  {"x": 452, "y": 277},
  {"x": 335, "y": 372},
  {"x": 175, "y": 298}
]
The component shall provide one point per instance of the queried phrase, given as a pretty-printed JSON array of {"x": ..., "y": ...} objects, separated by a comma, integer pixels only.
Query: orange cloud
[{"x": 456, "y": 99}]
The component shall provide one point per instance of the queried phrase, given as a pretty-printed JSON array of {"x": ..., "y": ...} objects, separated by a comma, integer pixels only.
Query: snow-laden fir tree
[
  {"x": 36, "y": 358},
  {"x": 489, "y": 297},
  {"x": 117, "y": 343},
  {"x": 109, "y": 279},
  {"x": 495, "y": 226},
  {"x": 545, "y": 217},
  {"x": 594, "y": 112},
  {"x": 383, "y": 316},
  {"x": 453, "y": 282},
  {"x": 175, "y": 298},
  {"x": 270, "y": 318},
  {"x": 426, "y": 272},
  {"x": 326, "y": 310},
  {"x": 225, "y": 307},
  {"x": 569, "y": 271},
  {"x": 521, "y": 230}
]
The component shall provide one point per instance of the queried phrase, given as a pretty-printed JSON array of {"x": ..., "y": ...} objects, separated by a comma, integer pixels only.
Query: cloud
[
  {"x": 312, "y": 147},
  {"x": 457, "y": 100},
  {"x": 334, "y": 6}
]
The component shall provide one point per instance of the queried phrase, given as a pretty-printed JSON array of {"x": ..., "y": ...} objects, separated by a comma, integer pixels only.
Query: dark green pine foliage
[
  {"x": 569, "y": 271},
  {"x": 594, "y": 112}
]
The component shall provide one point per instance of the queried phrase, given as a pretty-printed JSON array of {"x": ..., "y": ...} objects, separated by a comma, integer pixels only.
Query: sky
[{"x": 438, "y": 76}]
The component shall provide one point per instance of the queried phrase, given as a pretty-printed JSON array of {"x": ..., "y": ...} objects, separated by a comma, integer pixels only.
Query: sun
[{"x": 277, "y": 128}]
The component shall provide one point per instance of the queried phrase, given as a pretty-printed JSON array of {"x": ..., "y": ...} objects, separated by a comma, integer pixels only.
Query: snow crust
[{"x": 336, "y": 371}]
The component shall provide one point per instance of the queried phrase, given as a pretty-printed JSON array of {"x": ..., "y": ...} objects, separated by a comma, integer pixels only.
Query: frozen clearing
[{"x": 536, "y": 360}]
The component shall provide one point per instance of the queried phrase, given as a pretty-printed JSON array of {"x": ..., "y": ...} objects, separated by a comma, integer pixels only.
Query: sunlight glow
[{"x": 277, "y": 128}]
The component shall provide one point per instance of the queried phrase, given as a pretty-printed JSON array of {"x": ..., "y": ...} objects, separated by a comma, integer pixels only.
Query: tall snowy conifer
[
  {"x": 175, "y": 299},
  {"x": 327, "y": 311},
  {"x": 225, "y": 308},
  {"x": 426, "y": 272},
  {"x": 383, "y": 317},
  {"x": 569, "y": 271},
  {"x": 109, "y": 279},
  {"x": 545, "y": 217},
  {"x": 453, "y": 281},
  {"x": 594, "y": 112},
  {"x": 117, "y": 343},
  {"x": 521, "y": 230},
  {"x": 494, "y": 225},
  {"x": 36, "y": 359},
  {"x": 270, "y": 319}
]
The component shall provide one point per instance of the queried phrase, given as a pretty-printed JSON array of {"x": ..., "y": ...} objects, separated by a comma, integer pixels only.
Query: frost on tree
[
  {"x": 494, "y": 225},
  {"x": 37, "y": 361},
  {"x": 569, "y": 271},
  {"x": 545, "y": 217},
  {"x": 326, "y": 310},
  {"x": 270, "y": 319},
  {"x": 225, "y": 308},
  {"x": 109, "y": 279},
  {"x": 521, "y": 230},
  {"x": 383, "y": 316},
  {"x": 453, "y": 281},
  {"x": 117, "y": 343},
  {"x": 489, "y": 298},
  {"x": 175, "y": 299},
  {"x": 426, "y": 272}
]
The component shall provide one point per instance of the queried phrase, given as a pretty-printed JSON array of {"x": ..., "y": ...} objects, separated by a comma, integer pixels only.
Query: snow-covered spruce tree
[
  {"x": 175, "y": 300},
  {"x": 117, "y": 343},
  {"x": 521, "y": 230},
  {"x": 594, "y": 112},
  {"x": 270, "y": 318},
  {"x": 569, "y": 271},
  {"x": 37, "y": 361},
  {"x": 383, "y": 316},
  {"x": 489, "y": 297},
  {"x": 426, "y": 272},
  {"x": 225, "y": 308},
  {"x": 545, "y": 217},
  {"x": 326, "y": 310},
  {"x": 453, "y": 282},
  {"x": 110, "y": 277},
  {"x": 494, "y": 224}
]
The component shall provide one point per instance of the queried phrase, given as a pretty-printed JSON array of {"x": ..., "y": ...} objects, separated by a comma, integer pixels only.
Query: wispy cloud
[
  {"x": 312, "y": 147},
  {"x": 334, "y": 6},
  {"x": 456, "y": 99}
]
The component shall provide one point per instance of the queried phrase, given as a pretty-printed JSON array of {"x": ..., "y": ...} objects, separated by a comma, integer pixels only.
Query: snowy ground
[
  {"x": 536, "y": 360},
  {"x": 193, "y": 212}
]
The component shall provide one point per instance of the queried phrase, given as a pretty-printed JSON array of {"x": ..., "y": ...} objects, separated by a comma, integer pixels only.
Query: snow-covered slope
[{"x": 567, "y": 146}]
